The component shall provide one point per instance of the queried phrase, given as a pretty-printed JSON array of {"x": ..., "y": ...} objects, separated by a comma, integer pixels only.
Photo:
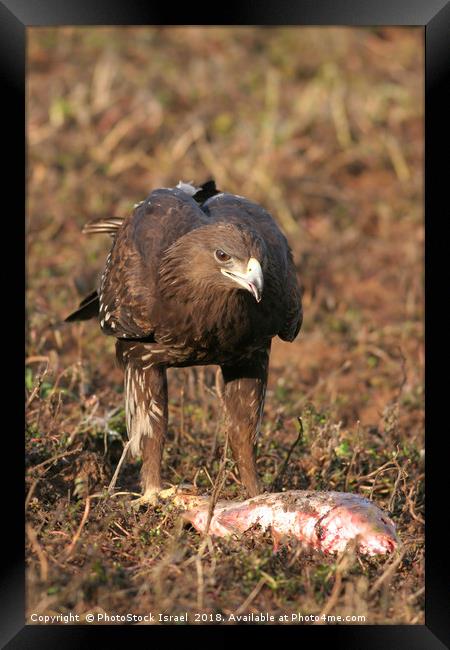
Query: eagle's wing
[
  {"x": 281, "y": 274},
  {"x": 129, "y": 286},
  {"x": 294, "y": 310}
]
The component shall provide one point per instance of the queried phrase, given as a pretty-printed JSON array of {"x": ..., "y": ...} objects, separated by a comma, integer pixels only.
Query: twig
[
  {"x": 401, "y": 475},
  {"x": 387, "y": 573},
  {"x": 55, "y": 458},
  {"x": 220, "y": 479},
  {"x": 39, "y": 552},
  {"x": 342, "y": 567},
  {"x": 35, "y": 359},
  {"x": 180, "y": 432},
  {"x": 41, "y": 465},
  {"x": 397, "y": 158},
  {"x": 220, "y": 419},
  {"x": 37, "y": 388},
  {"x": 119, "y": 465},
  {"x": 208, "y": 475},
  {"x": 31, "y": 491},
  {"x": 200, "y": 582},
  {"x": 80, "y": 527},
  {"x": 276, "y": 483},
  {"x": 252, "y": 595},
  {"x": 414, "y": 596},
  {"x": 387, "y": 465},
  {"x": 184, "y": 142},
  {"x": 331, "y": 602},
  {"x": 340, "y": 118},
  {"x": 353, "y": 458},
  {"x": 411, "y": 505},
  {"x": 374, "y": 483},
  {"x": 116, "y": 523}
]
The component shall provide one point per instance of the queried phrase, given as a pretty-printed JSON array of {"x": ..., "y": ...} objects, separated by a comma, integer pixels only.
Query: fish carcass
[{"x": 324, "y": 521}]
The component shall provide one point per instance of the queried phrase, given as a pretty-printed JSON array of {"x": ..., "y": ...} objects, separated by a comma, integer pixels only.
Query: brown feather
[
  {"x": 87, "y": 309},
  {"x": 103, "y": 226}
]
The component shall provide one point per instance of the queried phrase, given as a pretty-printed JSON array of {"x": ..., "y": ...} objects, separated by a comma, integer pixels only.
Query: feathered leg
[
  {"x": 146, "y": 411},
  {"x": 245, "y": 389}
]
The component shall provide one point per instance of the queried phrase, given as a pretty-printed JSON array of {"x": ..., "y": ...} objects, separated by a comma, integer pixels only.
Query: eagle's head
[{"x": 216, "y": 257}]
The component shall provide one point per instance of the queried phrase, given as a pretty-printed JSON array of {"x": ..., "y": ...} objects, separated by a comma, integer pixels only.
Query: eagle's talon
[
  {"x": 168, "y": 492},
  {"x": 149, "y": 498},
  {"x": 154, "y": 496},
  {"x": 145, "y": 500}
]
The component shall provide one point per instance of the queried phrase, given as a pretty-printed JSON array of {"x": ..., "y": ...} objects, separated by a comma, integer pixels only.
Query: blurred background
[{"x": 324, "y": 128}]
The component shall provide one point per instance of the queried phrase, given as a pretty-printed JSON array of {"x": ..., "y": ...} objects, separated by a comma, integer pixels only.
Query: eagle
[{"x": 195, "y": 276}]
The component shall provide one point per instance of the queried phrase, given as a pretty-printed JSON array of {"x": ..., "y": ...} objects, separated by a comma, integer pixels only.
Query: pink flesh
[{"x": 324, "y": 521}]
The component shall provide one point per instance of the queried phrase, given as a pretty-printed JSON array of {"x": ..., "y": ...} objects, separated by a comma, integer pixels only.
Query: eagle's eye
[{"x": 221, "y": 256}]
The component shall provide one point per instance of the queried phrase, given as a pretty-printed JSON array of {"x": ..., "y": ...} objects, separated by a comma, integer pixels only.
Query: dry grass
[{"x": 324, "y": 128}]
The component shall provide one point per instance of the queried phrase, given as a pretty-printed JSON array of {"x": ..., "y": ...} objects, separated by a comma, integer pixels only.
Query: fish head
[{"x": 373, "y": 530}]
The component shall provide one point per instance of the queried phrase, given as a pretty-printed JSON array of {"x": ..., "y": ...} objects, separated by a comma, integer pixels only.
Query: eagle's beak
[{"x": 252, "y": 279}]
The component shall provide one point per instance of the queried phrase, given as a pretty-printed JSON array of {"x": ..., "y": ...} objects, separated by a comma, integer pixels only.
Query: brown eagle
[{"x": 195, "y": 276}]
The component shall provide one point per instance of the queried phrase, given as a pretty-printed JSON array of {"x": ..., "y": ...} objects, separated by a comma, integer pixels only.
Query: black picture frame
[{"x": 434, "y": 15}]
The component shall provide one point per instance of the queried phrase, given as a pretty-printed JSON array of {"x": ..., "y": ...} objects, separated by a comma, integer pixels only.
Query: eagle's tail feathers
[{"x": 108, "y": 226}]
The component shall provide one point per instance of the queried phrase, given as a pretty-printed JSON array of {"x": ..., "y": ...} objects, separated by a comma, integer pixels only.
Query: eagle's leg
[
  {"x": 244, "y": 393},
  {"x": 146, "y": 412},
  {"x": 152, "y": 445}
]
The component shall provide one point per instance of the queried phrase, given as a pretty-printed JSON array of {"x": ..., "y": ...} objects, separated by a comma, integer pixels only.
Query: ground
[{"x": 324, "y": 127}]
